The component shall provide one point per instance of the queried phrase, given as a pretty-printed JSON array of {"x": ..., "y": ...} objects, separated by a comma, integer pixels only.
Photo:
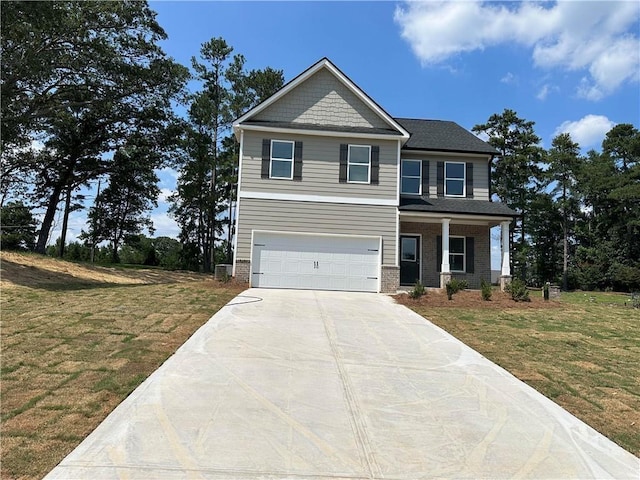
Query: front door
[{"x": 409, "y": 259}]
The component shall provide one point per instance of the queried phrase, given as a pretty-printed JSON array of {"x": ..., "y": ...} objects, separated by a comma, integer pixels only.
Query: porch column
[
  {"x": 505, "y": 275},
  {"x": 445, "y": 268}
]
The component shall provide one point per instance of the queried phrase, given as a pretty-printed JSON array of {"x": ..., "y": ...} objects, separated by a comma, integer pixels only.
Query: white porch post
[
  {"x": 505, "y": 277},
  {"x": 445, "y": 268}
]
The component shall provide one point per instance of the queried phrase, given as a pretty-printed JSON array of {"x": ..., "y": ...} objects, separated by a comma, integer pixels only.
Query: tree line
[
  {"x": 89, "y": 98},
  {"x": 579, "y": 223}
]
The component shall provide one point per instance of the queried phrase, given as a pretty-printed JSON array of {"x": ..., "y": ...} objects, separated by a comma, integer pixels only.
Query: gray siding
[
  {"x": 322, "y": 100},
  {"x": 480, "y": 171},
  {"x": 320, "y": 167},
  {"x": 312, "y": 217}
]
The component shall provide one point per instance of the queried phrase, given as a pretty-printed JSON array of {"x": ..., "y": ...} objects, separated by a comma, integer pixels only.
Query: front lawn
[
  {"x": 582, "y": 351},
  {"x": 77, "y": 339}
]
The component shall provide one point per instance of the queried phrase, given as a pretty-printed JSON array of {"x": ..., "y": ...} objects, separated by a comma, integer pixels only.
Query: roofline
[
  {"x": 436, "y": 215},
  {"x": 326, "y": 133},
  {"x": 443, "y": 150},
  {"x": 325, "y": 63}
]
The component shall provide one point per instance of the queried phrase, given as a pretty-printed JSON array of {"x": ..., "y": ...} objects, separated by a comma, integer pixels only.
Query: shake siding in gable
[
  {"x": 320, "y": 168},
  {"x": 322, "y": 100},
  {"x": 311, "y": 217}
]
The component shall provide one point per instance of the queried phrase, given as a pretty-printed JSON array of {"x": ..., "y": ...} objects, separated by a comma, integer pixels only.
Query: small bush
[
  {"x": 454, "y": 286},
  {"x": 417, "y": 291},
  {"x": 485, "y": 290},
  {"x": 518, "y": 291}
]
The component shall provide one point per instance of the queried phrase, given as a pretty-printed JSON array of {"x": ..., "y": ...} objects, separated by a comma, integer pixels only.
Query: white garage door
[{"x": 319, "y": 262}]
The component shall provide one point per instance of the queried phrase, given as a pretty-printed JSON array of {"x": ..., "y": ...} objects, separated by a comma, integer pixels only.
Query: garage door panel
[{"x": 283, "y": 260}]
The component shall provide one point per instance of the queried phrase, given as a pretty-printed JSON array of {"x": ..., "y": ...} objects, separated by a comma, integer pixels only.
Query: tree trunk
[
  {"x": 49, "y": 215},
  {"x": 65, "y": 223}
]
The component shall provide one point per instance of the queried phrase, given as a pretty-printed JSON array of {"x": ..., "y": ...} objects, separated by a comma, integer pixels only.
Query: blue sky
[{"x": 570, "y": 66}]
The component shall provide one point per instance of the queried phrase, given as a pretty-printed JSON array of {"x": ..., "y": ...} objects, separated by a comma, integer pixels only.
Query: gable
[{"x": 322, "y": 99}]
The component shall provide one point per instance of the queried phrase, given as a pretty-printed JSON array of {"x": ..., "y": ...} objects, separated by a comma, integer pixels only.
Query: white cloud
[
  {"x": 164, "y": 225},
  {"x": 588, "y": 132},
  {"x": 598, "y": 37},
  {"x": 509, "y": 78},
  {"x": 546, "y": 89},
  {"x": 164, "y": 195}
]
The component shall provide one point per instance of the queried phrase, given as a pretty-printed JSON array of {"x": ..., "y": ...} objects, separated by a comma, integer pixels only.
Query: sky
[{"x": 568, "y": 66}]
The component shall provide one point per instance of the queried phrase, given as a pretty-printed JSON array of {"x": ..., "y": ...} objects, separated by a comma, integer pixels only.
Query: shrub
[
  {"x": 454, "y": 286},
  {"x": 485, "y": 290},
  {"x": 518, "y": 291},
  {"x": 417, "y": 291}
]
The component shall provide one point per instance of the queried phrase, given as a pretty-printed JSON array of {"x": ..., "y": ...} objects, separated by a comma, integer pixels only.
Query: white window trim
[
  {"x": 360, "y": 164},
  {"x": 464, "y": 254},
  {"x": 403, "y": 176},
  {"x": 272, "y": 158},
  {"x": 464, "y": 179}
]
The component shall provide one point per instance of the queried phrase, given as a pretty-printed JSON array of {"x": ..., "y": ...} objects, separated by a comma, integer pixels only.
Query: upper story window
[
  {"x": 411, "y": 177},
  {"x": 281, "y": 159},
  {"x": 359, "y": 164},
  {"x": 457, "y": 254},
  {"x": 454, "y": 179}
]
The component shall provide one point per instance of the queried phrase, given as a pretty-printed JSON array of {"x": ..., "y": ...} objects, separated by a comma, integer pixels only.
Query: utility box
[{"x": 223, "y": 271}]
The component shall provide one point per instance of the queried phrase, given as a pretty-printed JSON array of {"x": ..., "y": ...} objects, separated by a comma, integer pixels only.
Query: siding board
[{"x": 307, "y": 217}]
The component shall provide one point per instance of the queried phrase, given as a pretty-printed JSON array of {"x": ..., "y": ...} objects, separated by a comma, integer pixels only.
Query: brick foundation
[
  {"x": 390, "y": 279},
  {"x": 242, "y": 270}
]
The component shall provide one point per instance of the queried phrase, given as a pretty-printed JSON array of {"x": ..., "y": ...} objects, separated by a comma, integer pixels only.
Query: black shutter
[
  {"x": 266, "y": 157},
  {"x": 440, "y": 179},
  {"x": 439, "y": 253},
  {"x": 469, "y": 179},
  {"x": 425, "y": 178},
  {"x": 375, "y": 164},
  {"x": 470, "y": 254},
  {"x": 489, "y": 179},
  {"x": 297, "y": 161},
  {"x": 344, "y": 148}
]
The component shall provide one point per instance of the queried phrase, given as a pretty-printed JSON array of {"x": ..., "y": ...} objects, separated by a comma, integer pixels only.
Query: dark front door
[{"x": 409, "y": 259}]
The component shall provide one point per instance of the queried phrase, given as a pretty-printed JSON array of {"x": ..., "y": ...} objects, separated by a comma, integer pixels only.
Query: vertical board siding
[{"x": 312, "y": 217}]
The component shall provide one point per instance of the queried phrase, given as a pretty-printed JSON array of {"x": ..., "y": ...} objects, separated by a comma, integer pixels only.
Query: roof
[
  {"x": 328, "y": 65},
  {"x": 442, "y": 136},
  {"x": 455, "y": 205}
]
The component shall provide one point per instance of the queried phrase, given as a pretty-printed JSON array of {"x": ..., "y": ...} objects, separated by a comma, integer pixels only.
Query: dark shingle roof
[
  {"x": 455, "y": 205},
  {"x": 442, "y": 136}
]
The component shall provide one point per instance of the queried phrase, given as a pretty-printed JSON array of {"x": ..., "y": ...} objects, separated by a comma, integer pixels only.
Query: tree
[
  {"x": 80, "y": 76},
  {"x": 516, "y": 172},
  {"x": 132, "y": 191},
  {"x": 208, "y": 165},
  {"x": 564, "y": 162},
  {"x": 17, "y": 227}
]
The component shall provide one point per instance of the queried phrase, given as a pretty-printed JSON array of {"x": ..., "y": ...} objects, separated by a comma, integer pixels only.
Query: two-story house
[{"x": 335, "y": 194}]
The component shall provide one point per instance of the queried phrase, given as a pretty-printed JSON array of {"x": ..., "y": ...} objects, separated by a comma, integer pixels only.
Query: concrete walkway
[{"x": 329, "y": 385}]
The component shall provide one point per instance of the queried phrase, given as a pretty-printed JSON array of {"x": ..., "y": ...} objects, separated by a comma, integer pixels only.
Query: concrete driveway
[{"x": 329, "y": 385}]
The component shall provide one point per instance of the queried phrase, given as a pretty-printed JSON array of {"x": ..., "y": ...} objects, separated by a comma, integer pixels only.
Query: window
[
  {"x": 358, "y": 163},
  {"x": 454, "y": 179},
  {"x": 411, "y": 180},
  {"x": 281, "y": 159},
  {"x": 457, "y": 254}
]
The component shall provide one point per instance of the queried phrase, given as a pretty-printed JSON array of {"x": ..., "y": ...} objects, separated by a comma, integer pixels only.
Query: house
[{"x": 335, "y": 194}]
